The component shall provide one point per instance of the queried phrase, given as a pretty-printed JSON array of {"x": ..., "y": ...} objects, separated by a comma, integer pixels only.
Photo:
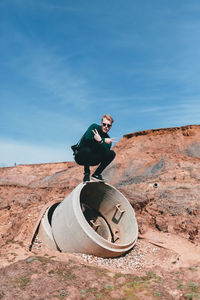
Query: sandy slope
[{"x": 159, "y": 173}]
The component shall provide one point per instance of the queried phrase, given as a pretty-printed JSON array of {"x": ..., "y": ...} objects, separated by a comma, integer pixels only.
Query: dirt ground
[
  {"x": 161, "y": 265},
  {"x": 158, "y": 172},
  {"x": 156, "y": 268}
]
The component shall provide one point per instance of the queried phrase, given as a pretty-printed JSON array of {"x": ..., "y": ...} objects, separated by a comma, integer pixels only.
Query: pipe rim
[{"x": 91, "y": 233}]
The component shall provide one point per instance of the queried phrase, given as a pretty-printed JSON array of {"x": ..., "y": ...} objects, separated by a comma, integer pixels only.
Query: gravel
[{"x": 134, "y": 260}]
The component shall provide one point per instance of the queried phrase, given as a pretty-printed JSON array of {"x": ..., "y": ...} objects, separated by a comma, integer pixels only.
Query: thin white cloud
[
  {"x": 46, "y": 69},
  {"x": 51, "y": 74},
  {"x": 12, "y": 152},
  {"x": 184, "y": 112}
]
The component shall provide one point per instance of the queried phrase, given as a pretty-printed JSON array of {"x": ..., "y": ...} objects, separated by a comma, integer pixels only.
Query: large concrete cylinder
[
  {"x": 95, "y": 218},
  {"x": 45, "y": 230}
]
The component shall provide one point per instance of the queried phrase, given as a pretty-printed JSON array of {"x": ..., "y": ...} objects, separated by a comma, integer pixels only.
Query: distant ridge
[
  {"x": 4, "y": 165},
  {"x": 169, "y": 129}
]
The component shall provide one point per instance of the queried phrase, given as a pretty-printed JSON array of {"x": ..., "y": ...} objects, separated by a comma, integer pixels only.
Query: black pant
[{"x": 86, "y": 157}]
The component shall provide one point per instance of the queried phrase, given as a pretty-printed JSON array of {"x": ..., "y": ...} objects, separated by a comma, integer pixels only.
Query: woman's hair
[{"x": 108, "y": 117}]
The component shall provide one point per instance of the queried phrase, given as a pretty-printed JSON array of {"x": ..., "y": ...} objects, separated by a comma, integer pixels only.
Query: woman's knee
[
  {"x": 110, "y": 155},
  {"x": 82, "y": 156},
  {"x": 113, "y": 154}
]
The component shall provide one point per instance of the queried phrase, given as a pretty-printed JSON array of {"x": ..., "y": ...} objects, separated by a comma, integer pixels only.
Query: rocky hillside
[
  {"x": 157, "y": 170},
  {"x": 159, "y": 173}
]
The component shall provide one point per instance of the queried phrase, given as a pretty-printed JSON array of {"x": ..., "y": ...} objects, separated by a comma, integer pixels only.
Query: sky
[{"x": 64, "y": 64}]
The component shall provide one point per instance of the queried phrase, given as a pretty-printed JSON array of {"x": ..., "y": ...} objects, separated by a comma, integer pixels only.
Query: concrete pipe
[
  {"x": 95, "y": 218},
  {"x": 45, "y": 231}
]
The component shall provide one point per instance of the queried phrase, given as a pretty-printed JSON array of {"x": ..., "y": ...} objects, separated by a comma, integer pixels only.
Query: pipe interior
[
  {"x": 51, "y": 211},
  {"x": 108, "y": 212}
]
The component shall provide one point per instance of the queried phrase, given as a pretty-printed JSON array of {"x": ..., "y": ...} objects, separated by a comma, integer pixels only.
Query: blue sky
[{"x": 65, "y": 63}]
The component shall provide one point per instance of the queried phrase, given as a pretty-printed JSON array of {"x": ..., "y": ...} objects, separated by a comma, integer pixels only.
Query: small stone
[
  {"x": 31, "y": 259},
  {"x": 121, "y": 280},
  {"x": 64, "y": 293}
]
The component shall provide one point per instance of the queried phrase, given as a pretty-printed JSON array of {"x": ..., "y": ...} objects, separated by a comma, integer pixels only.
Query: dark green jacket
[{"x": 88, "y": 139}]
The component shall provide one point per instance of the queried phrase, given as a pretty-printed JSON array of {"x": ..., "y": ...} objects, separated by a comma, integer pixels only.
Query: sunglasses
[{"x": 108, "y": 125}]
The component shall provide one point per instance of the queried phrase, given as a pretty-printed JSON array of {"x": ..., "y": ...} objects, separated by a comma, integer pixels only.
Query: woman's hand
[
  {"x": 110, "y": 140},
  {"x": 97, "y": 136}
]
